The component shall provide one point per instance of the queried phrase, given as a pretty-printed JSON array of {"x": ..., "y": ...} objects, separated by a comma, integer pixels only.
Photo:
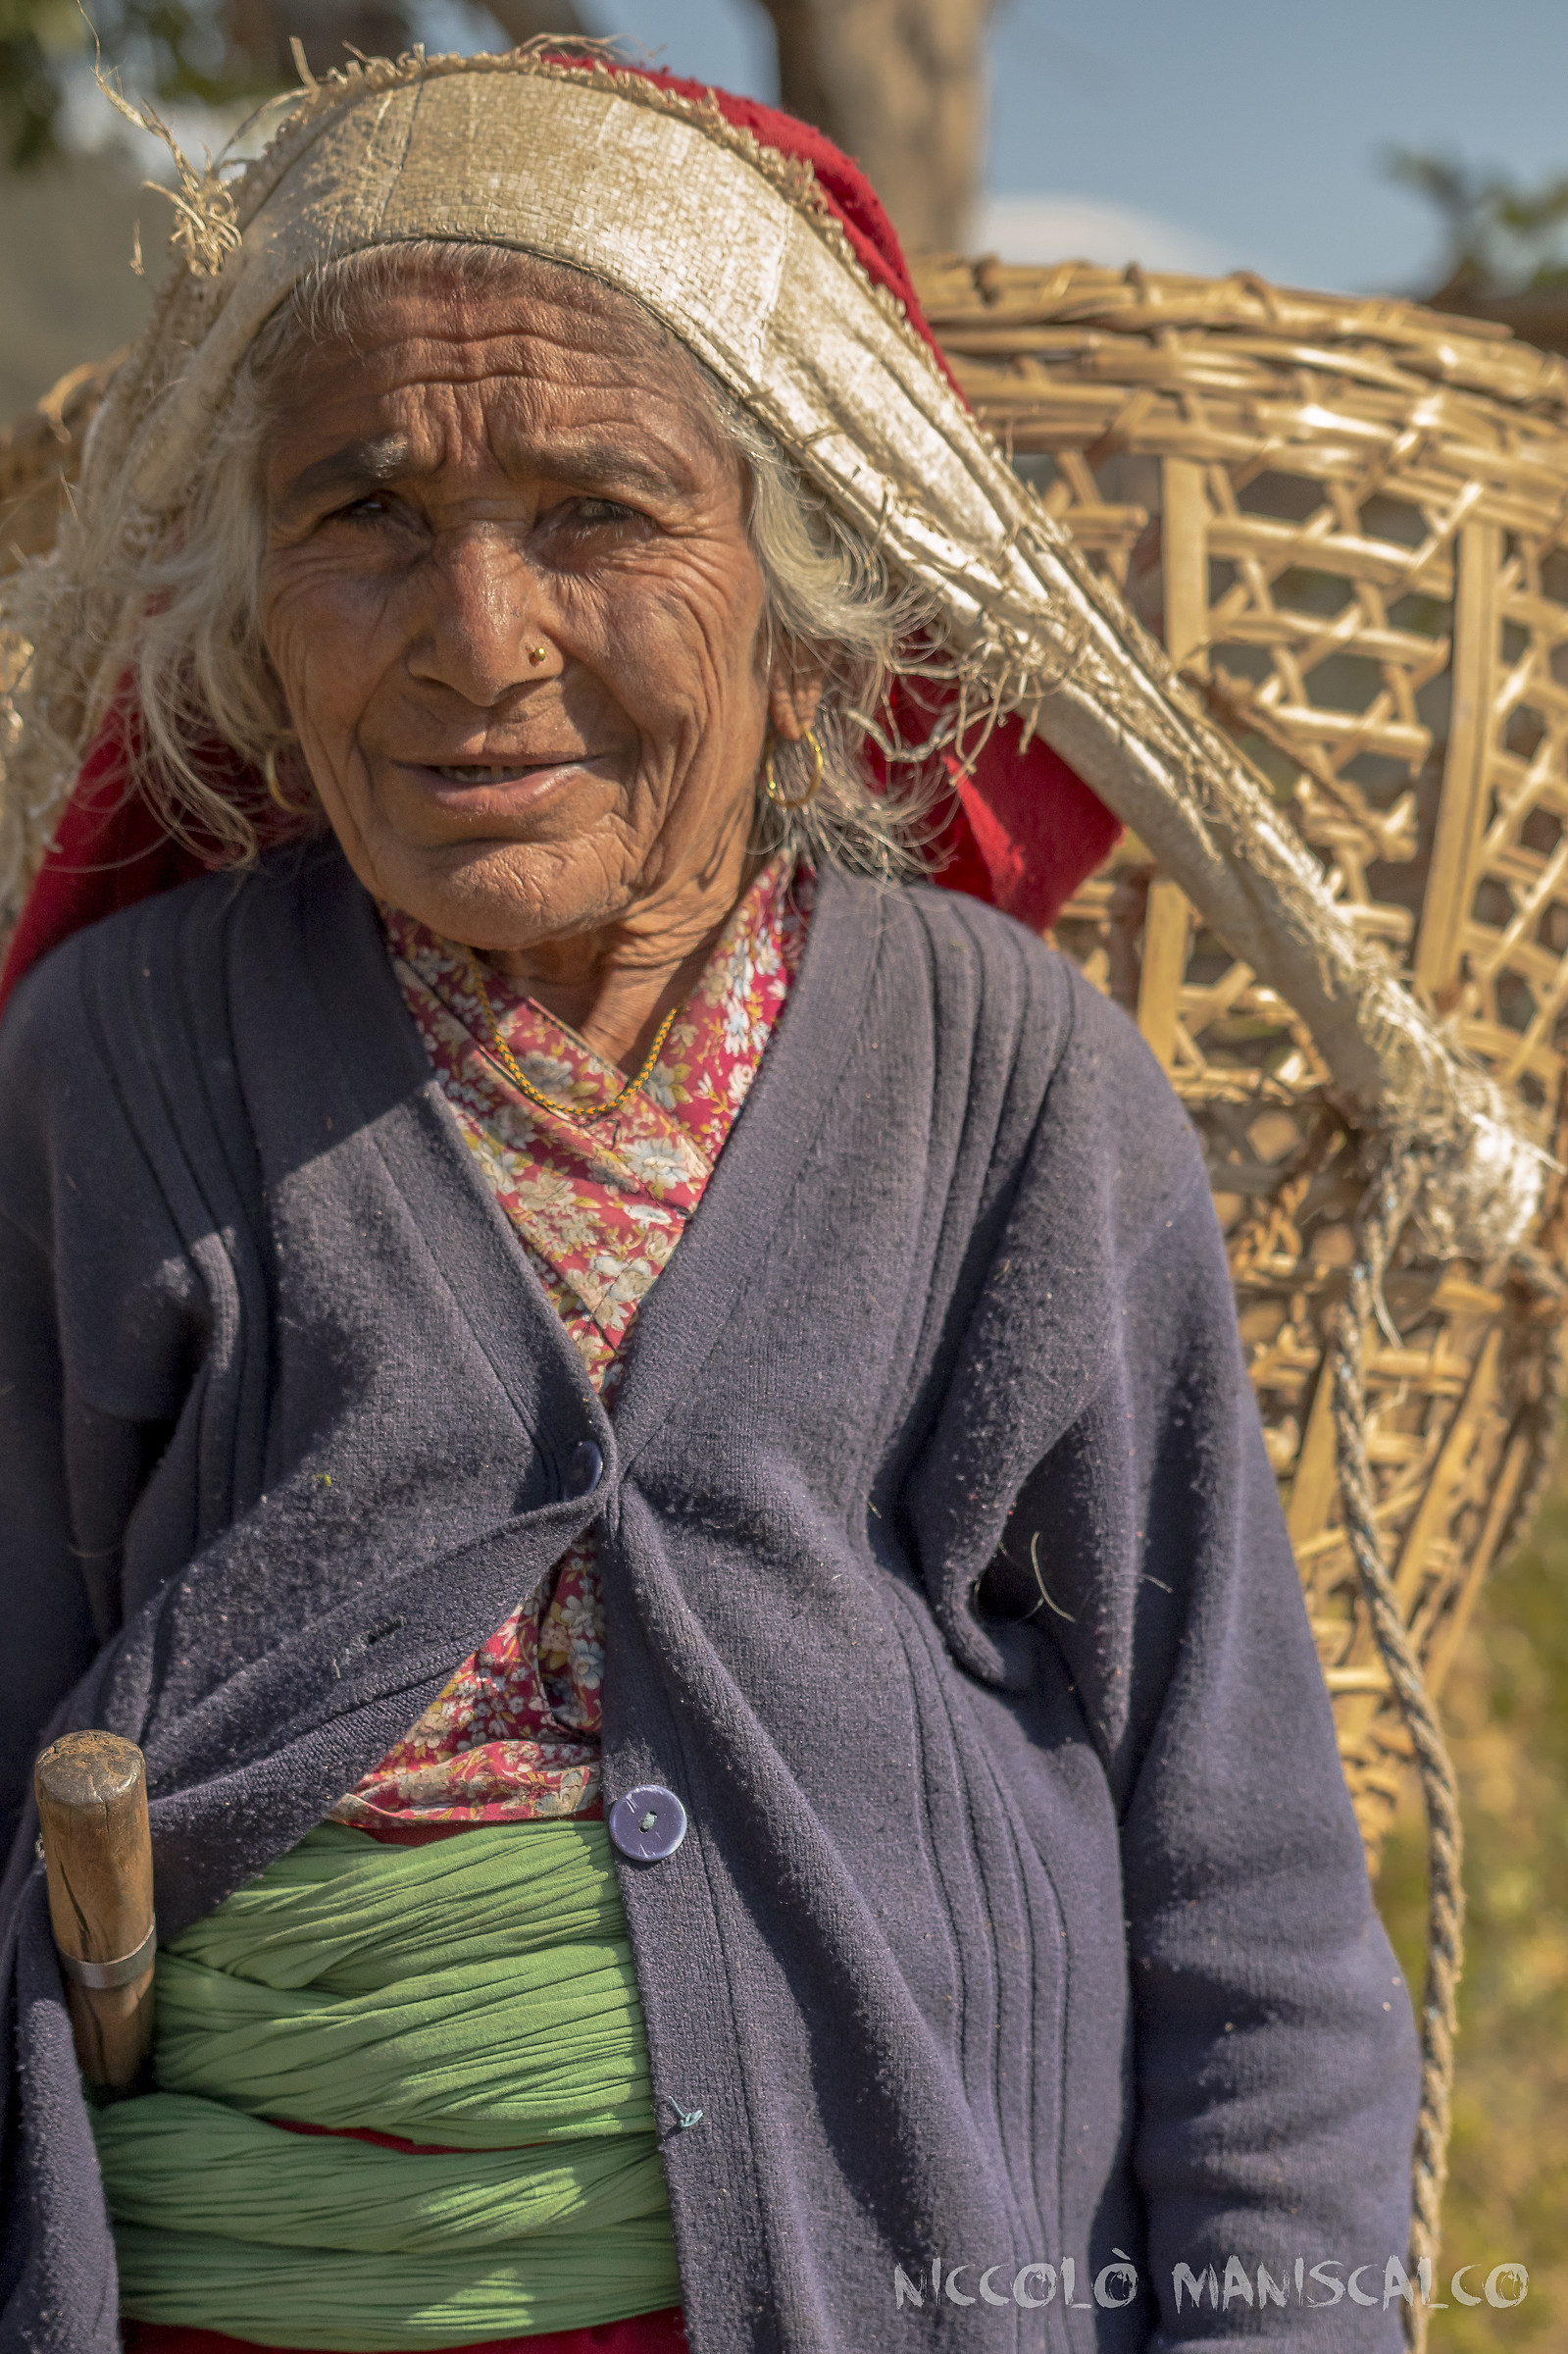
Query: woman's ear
[{"x": 794, "y": 691}]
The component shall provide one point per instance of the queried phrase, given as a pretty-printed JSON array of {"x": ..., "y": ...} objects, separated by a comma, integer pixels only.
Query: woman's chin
[{"x": 492, "y": 896}]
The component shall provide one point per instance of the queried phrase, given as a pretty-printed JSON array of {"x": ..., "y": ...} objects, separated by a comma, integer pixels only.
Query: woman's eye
[
  {"x": 601, "y": 510},
  {"x": 369, "y": 509}
]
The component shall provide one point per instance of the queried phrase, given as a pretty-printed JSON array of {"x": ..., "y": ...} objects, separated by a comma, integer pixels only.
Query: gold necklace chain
[{"x": 573, "y": 1112}]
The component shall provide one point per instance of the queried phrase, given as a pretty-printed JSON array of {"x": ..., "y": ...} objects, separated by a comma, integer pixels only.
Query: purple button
[
  {"x": 584, "y": 1468},
  {"x": 648, "y": 1824}
]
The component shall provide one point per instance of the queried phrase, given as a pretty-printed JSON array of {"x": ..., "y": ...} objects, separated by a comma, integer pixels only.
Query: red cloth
[
  {"x": 650, "y": 2334},
  {"x": 1024, "y": 835}
]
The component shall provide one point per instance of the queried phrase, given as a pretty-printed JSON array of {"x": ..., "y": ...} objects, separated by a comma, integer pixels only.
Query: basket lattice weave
[{"x": 1349, "y": 520}]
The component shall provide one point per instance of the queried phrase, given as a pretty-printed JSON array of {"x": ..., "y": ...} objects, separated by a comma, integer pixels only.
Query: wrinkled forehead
[
  {"x": 464, "y": 277},
  {"x": 418, "y": 359},
  {"x": 463, "y": 312}
]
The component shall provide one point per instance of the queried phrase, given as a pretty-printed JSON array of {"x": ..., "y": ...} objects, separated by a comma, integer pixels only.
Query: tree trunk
[{"x": 899, "y": 85}]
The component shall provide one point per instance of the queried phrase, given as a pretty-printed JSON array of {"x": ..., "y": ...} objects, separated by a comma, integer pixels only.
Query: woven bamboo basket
[{"x": 1347, "y": 522}]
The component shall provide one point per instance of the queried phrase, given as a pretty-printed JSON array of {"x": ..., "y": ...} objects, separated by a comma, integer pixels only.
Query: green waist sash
[{"x": 476, "y": 1993}]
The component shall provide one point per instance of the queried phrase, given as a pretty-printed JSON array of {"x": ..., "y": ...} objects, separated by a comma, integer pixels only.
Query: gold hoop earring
[
  {"x": 276, "y": 793},
  {"x": 781, "y": 801}
]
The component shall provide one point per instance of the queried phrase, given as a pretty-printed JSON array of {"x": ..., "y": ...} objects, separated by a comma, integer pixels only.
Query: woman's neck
[{"x": 614, "y": 983}]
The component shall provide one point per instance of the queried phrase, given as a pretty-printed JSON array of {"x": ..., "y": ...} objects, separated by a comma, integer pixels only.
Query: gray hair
[{"x": 202, "y": 669}]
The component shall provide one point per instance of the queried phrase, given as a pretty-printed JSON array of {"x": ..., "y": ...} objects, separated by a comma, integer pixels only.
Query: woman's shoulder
[
  {"x": 144, "y": 1059},
  {"x": 993, "y": 975},
  {"x": 160, "y": 953},
  {"x": 1049, "y": 1065}
]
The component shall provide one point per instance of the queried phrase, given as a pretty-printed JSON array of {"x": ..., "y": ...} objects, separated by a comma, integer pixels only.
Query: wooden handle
[{"x": 92, "y": 1808}]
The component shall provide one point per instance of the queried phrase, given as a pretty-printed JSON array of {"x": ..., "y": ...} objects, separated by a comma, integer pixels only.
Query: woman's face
[{"x": 511, "y": 598}]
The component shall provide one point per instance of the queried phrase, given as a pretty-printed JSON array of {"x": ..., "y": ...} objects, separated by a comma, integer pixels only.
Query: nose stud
[{"x": 537, "y": 655}]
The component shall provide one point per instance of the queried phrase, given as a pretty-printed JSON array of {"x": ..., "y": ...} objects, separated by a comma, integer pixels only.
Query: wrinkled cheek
[
  {"x": 691, "y": 676},
  {"x": 327, "y": 689}
]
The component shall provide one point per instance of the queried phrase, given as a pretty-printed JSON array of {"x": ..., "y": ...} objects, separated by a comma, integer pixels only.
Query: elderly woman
[{"x": 641, "y": 1414}]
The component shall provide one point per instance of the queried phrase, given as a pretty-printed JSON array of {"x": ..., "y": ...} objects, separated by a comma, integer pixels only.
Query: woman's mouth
[
  {"x": 475, "y": 772},
  {"x": 488, "y": 776},
  {"x": 482, "y": 793}
]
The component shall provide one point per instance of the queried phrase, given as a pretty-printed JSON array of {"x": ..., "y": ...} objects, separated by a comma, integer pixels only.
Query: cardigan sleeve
[
  {"x": 43, "y": 1594},
  {"x": 96, "y": 1340},
  {"x": 1274, "y": 2051}
]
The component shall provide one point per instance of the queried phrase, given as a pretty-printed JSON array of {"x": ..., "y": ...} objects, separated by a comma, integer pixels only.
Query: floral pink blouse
[{"x": 599, "y": 1206}]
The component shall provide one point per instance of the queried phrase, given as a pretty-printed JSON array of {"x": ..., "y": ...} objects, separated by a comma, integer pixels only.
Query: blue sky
[{"x": 1232, "y": 132}]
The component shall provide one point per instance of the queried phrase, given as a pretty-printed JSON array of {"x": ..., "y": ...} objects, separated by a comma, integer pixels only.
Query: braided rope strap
[{"x": 1386, "y": 1205}]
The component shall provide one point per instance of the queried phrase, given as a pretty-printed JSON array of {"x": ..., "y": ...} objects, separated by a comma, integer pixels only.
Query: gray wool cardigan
[{"x": 1003, "y": 1935}]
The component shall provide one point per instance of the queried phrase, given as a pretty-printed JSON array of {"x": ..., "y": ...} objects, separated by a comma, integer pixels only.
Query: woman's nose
[{"x": 484, "y": 612}]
